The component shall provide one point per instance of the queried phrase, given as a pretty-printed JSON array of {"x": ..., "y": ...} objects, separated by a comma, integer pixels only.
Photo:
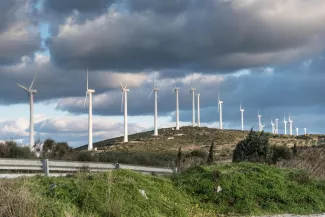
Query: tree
[
  {"x": 211, "y": 153},
  {"x": 254, "y": 148}
]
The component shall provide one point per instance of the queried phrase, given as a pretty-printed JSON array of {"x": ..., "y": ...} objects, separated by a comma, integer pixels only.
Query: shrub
[
  {"x": 281, "y": 152},
  {"x": 254, "y": 148},
  {"x": 10, "y": 149}
]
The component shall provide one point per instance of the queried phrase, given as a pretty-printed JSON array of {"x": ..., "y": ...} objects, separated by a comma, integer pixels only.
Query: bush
[
  {"x": 10, "y": 149},
  {"x": 281, "y": 152},
  {"x": 254, "y": 148}
]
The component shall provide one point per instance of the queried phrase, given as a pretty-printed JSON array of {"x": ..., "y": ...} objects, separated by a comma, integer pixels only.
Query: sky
[{"x": 265, "y": 55}]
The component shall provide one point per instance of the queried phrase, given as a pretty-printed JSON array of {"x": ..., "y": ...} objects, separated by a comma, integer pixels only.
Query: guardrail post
[
  {"x": 117, "y": 166},
  {"x": 46, "y": 168}
]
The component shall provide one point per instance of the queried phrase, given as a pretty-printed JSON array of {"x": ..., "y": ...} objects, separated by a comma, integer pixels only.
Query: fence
[{"x": 56, "y": 168}]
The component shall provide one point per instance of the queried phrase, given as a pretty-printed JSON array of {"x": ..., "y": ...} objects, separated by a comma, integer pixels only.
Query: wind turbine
[
  {"x": 273, "y": 129},
  {"x": 125, "y": 101},
  {"x": 220, "y": 111},
  {"x": 297, "y": 130},
  {"x": 90, "y": 114},
  {"x": 305, "y": 129},
  {"x": 155, "y": 91},
  {"x": 242, "y": 117},
  {"x": 285, "y": 125},
  {"x": 192, "y": 90},
  {"x": 198, "y": 110},
  {"x": 276, "y": 126},
  {"x": 176, "y": 90},
  {"x": 31, "y": 93},
  {"x": 290, "y": 124},
  {"x": 259, "y": 120}
]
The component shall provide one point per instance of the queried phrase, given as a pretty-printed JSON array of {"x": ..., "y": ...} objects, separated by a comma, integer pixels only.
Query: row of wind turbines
[{"x": 154, "y": 91}]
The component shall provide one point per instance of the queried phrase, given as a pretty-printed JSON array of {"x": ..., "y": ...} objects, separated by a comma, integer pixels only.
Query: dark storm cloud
[
  {"x": 18, "y": 34},
  {"x": 206, "y": 35},
  {"x": 83, "y": 6}
]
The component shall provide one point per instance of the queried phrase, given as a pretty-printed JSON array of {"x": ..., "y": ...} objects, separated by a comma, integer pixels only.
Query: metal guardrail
[{"x": 47, "y": 167}]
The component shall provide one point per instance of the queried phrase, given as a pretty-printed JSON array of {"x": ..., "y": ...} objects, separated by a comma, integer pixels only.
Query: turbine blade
[
  {"x": 150, "y": 94},
  {"x": 125, "y": 86},
  {"x": 22, "y": 87},
  {"x": 32, "y": 82},
  {"x": 122, "y": 101},
  {"x": 87, "y": 78},
  {"x": 85, "y": 99},
  {"x": 121, "y": 86}
]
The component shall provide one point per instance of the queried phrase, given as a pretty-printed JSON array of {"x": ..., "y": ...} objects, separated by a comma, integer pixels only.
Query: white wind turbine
[
  {"x": 259, "y": 120},
  {"x": 297, "y": 131},
  {"x": 31, "y": 93},
  {"x": 276, "y": 126},
  {"x": 125, "y": 102},
  {"x": 176, "y": 90},
  {"x": 220, "y": 111},
  {"x": 198, "y": 110},
  {"x": 285, "y": 125},
  {"x": 155, "y": 91},
  {"x": 290, "y": 125},
  {"x": 90, "y": 114},
  {"x": 242, "y": 117},
  {"x": 192, "y": 90},
  {"x": 273, "y": 129},
  {"x": 305, "y": 129}
]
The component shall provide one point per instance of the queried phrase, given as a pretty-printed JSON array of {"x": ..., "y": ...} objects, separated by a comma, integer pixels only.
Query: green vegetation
[
  {"x": 238, "y": 189},
  {"x": 253, "y": 189}
]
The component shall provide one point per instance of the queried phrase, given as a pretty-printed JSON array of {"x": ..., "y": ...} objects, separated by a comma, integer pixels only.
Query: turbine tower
[
  {"x": 90, "y": 114},
  {"x": 276, "y": 126},
  {"x": 297, "y": 130},
  {"x": 273, "y": 129},
  {"x": 31, "y": 93},
  {"x": 242, "y": 117},
  {"x": 220, "y": 111},
  {"x": 285, "y": 125},
  {"x": 155, "y": 91},
  {"x": 198, "y": 110},
  {"x": 290, "y": 125},
  {"x": 305, "y": 129},
  {"x": 192, "y": 91},
  {"x": 125, "y": 102},
  {"x": 176, "y": 90},
  {"x": 259, "y": 120}
]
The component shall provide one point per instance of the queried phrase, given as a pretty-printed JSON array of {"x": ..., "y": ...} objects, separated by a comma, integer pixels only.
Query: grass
[
  {"x": 254, "y": 189},
  {"x": 247, "y": 189}
]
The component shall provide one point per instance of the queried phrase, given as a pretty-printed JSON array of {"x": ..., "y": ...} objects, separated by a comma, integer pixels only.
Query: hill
[
  {"x": 162, "y": 150},
  {"x": 234, "y": 189}
]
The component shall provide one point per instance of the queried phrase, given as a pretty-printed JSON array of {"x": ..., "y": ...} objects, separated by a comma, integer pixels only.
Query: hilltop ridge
[{"x": 192, "y": 138}]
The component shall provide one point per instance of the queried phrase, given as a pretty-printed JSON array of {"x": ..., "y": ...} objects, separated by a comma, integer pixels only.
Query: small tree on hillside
[
  {"x": 211, "y": 153},
  {"x": 254, "y": 148}
]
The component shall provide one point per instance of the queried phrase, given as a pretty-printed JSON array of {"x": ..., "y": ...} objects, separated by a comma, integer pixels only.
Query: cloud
[
  {"x": 84, "y": 6},
  {"x": 18, "y": 35},
  {"x": 208, "y": 35}
]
